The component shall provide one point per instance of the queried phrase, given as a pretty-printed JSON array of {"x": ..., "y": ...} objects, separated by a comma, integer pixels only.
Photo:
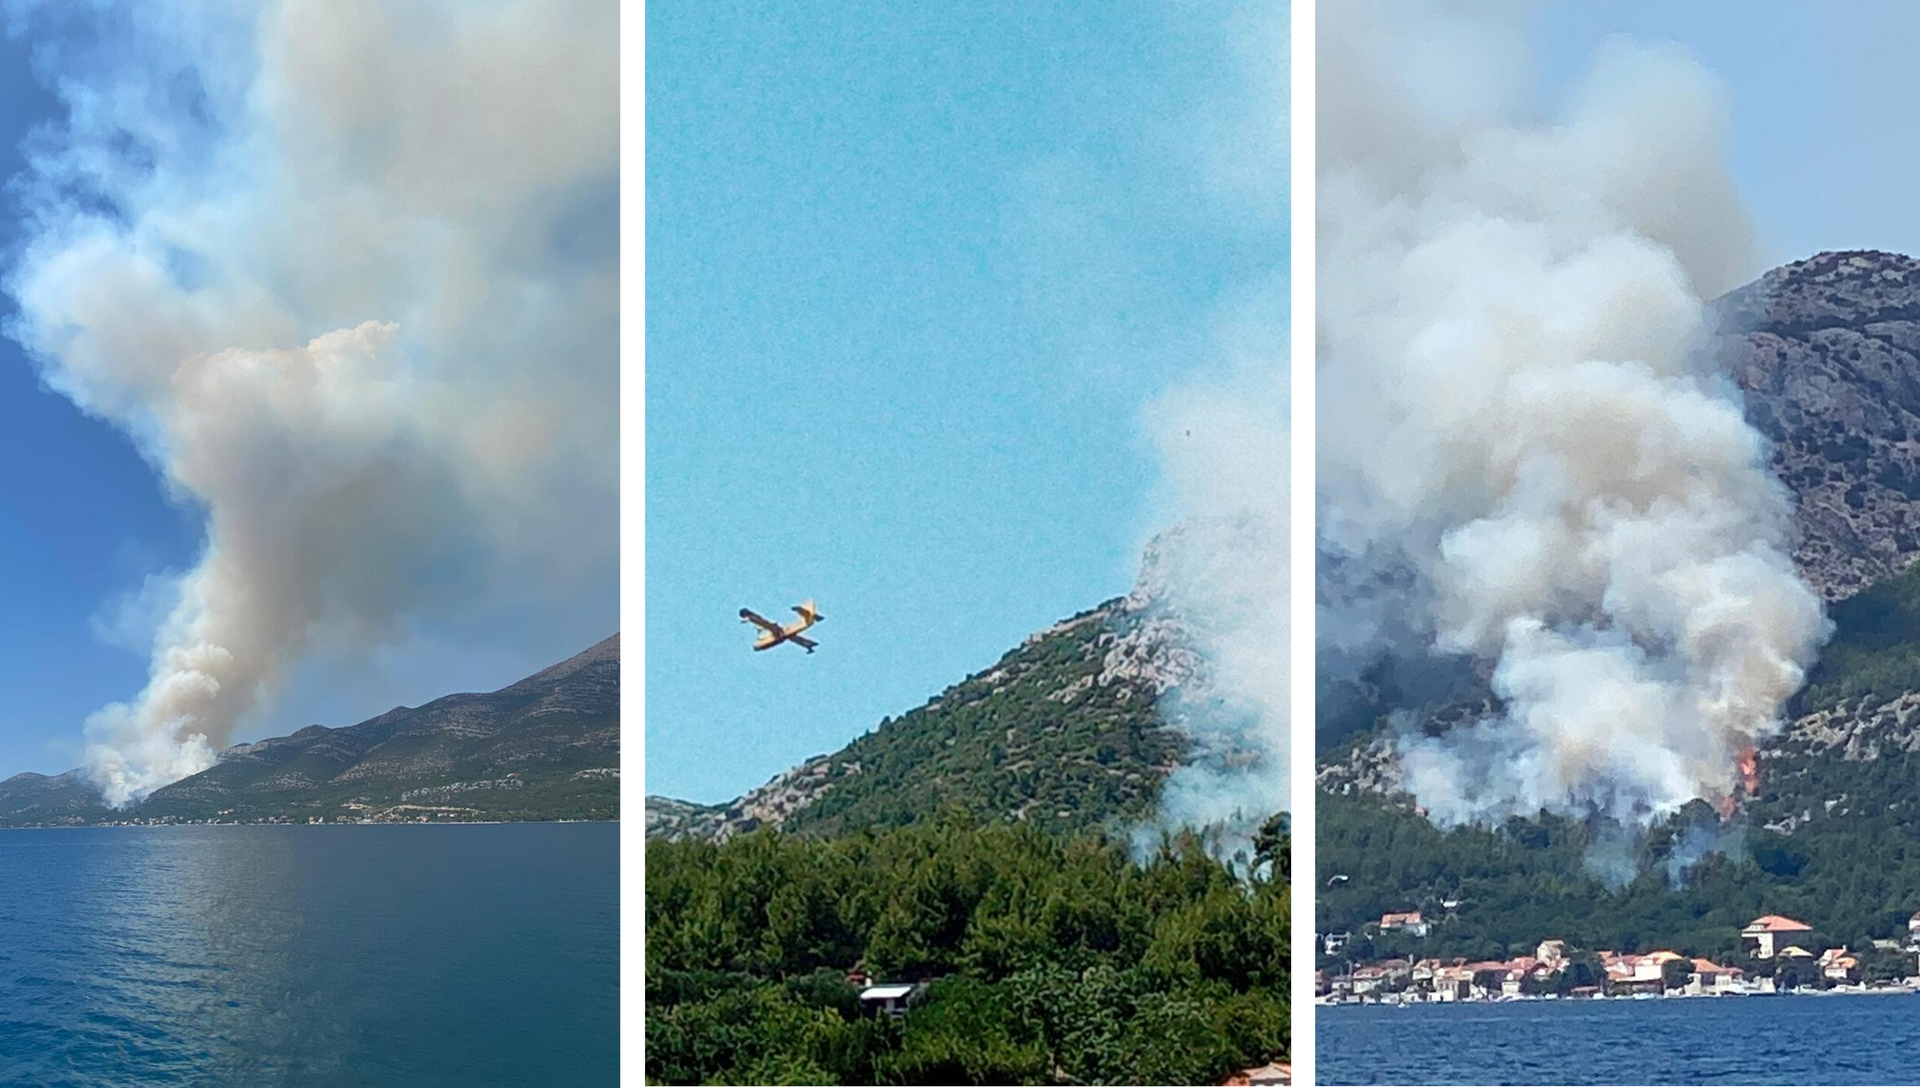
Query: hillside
[
  {"x": 547, "y": 747},
  {"x": 1827, "y": 352},
  {"x": 1064, "y": 732},
  {"x": 30, "y": 798}
]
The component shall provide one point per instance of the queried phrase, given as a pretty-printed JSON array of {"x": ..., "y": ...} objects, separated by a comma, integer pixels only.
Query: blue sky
[
  {"x": 1822, "y": 97},
  {"x": 913, "y": 270},
  {"x": 81, "y": 521}
]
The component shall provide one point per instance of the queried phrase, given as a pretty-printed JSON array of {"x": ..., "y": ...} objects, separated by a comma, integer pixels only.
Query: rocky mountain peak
[
  {"x": 1847, "y": 288},
  {"x": 1827, "y": 351}
]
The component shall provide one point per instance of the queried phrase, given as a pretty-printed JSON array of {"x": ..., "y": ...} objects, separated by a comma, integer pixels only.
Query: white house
[
  {"x": 1840, "y": 965},
  {"x": 1767, "y": 934},
  {"x": 1710, "y": 978}
]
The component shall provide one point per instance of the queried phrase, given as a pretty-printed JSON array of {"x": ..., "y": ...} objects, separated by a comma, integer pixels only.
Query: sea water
[
  {"x": 1827, "y": 1039},
  {"x": 293, "y": 955}
]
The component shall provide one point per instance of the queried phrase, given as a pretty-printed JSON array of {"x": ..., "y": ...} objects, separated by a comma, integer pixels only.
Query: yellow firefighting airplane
[{"x": 772, "y": 634}]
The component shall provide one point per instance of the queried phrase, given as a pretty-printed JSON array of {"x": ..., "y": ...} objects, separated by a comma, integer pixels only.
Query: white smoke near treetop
[
  {"x": 347, "y": 273},
  {"x": 1514, "y": 407},
  {"x": 1223, "y": 440}
]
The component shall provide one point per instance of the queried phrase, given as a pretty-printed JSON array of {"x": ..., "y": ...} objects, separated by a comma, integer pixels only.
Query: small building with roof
[
  {"x": 1766, "y": 935},
  {"x": 1407, "y": 921},
  {"x": 1711, "y": 978},
  {"x": 890, "y": 998}
]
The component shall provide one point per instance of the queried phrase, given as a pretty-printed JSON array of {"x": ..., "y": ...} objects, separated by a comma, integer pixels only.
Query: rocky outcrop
[
  {"x": 1827, "y": 351},
  {"x": 1864, "y": 730}
]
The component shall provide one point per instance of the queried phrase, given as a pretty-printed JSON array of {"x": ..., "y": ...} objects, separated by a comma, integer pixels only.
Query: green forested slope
[
  {"x": 1053, "y": 959},
  {"x": 1054, "y": 734}
]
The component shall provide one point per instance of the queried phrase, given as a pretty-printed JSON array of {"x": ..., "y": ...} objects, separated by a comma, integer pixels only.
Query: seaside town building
[
  {"x": 1555, "y": 971},
  {"x": 1711, "y": 978},
  {"x": 1638, "y": 974},
  {"x": 1767, "y": 933},
  {"x": 1839, "y": 965}
]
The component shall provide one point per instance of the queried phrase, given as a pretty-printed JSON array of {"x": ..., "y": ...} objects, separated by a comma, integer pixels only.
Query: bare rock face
[
  {"x": 770, "y": 805},
  {"x": 1148, "y": 643},
  {"x": 1864, "y": 730},
  {"x": 1372, "y": 767},
  {"x": 671, "y": 818},
  {"x": 1827, "y": 351}
]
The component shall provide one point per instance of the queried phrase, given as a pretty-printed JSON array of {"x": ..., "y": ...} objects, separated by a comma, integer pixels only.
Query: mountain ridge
[
  {"x": 545, "y": 746},
  {"x": 1067, "y": 730}
]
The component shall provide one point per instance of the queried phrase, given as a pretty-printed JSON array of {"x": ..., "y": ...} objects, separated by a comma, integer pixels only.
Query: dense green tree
[{"x": 1048, "y": 958}]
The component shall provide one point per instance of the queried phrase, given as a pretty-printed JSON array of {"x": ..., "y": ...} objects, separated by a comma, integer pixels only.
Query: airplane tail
[{"x": 808, "y": 612}]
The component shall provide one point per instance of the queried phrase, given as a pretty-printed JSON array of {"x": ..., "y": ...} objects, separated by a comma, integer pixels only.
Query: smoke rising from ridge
[
  {"x": 1513, "y": 406},
  {"x": 347, "y": 273},
  {"x": 1223, "y": 572},
  {"x": 1223, "y": 440}
]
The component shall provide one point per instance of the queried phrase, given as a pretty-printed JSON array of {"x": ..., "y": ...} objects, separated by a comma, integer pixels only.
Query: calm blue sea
[
  {"x": 384, "y": 955},
  {"x": 1728, "y": 1040}
]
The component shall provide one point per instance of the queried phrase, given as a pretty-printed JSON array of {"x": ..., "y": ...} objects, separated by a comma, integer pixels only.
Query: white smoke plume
[
  {"x": 346, "y": 271},
  {"x": 1224, "y": 573},
  {"x": 1513, "y": 405},
  {"x": 1223, "y": 440}
]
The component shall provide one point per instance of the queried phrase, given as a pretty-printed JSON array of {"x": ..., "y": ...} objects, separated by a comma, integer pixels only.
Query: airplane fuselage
[{"x": 773, "y": 634}]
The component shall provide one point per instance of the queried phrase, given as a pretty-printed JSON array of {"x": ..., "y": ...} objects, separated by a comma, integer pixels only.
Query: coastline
[
  {"x": 1901, "y": 989},
  {"x": 302, "y": 823}
]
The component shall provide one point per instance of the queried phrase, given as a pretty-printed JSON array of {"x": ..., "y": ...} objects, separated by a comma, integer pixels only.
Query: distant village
[
  {"x": 355, "y": 814},
  {"x": 1779, "y": 953}
]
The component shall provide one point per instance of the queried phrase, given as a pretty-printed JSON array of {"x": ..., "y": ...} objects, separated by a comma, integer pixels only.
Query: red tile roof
[{"x": 1775, "y": 923}]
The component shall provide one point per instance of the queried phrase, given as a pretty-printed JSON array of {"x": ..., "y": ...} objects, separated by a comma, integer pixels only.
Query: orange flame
[{"x": 1748, "y": 762}]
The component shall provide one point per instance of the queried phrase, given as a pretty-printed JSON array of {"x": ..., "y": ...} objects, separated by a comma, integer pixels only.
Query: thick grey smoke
[
  {"x": 1513, "y": 406},
  {"x": 347, "y": 273},
  {"x": 1223, "y": 440},
  {"x": 1225, "y": 480},
  {"x": 1224, "y": 574}
]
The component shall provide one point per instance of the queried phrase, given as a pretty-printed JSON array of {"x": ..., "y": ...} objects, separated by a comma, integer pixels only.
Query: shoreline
[
  {"x": 291, "y": 823},
  {"x": 1902, "y": 989}
]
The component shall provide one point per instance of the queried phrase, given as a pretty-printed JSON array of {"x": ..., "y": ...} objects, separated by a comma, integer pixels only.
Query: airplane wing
[
  {"x": 804, "y": 641},
  {"x": 757, "y": 619}
]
